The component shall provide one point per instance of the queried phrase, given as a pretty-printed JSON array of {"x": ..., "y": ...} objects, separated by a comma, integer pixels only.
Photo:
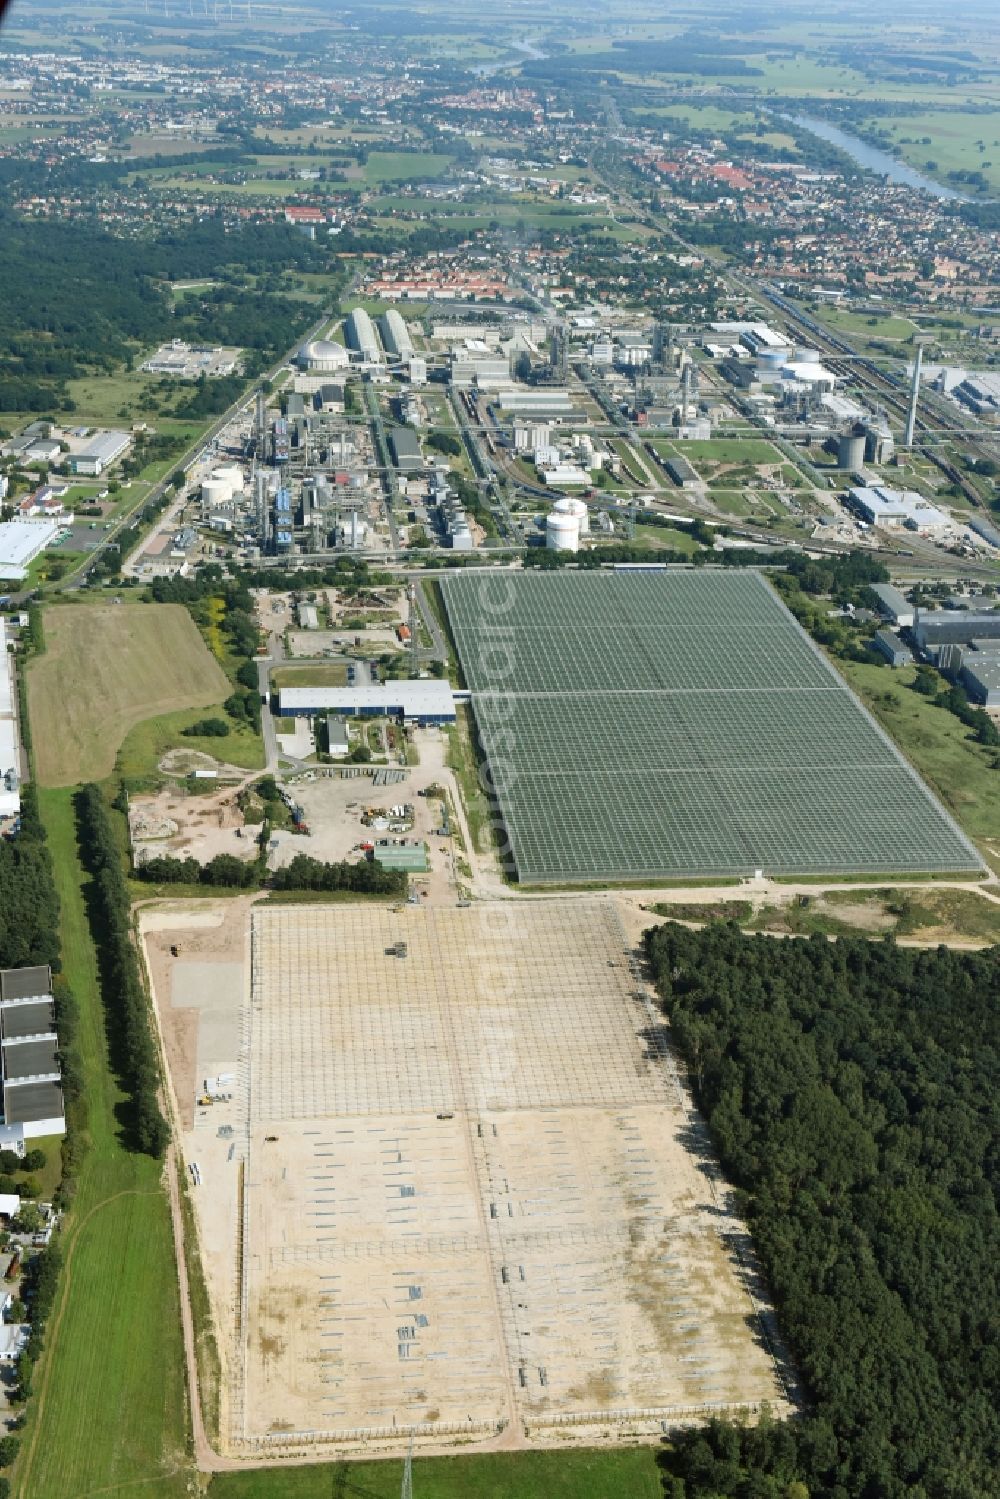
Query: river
[
  {"x": 529, "y": 52},
  {"x": 878, "y": 161}
]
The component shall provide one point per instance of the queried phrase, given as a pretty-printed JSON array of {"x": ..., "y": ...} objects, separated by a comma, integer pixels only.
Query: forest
[
  {"x": 79, "y": 300},
  {"x": 851, "y": 1089}
]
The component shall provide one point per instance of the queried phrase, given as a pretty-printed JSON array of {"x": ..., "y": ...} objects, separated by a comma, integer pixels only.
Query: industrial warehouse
[
  {"x": 644, "y": 726},
  {"x": 419, "y": 702},
  {"x": 32, "y": 1076}
]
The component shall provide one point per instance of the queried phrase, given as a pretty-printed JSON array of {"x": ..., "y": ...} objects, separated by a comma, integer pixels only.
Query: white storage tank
[
  {"x": 562, "y": 532},
  {"x": 772, "y": 360},
  {"x": 807, "y": 356},
  {"x": 570, "y": 505},
  {"x": 215, "y": 492},
  {"x": 231, "y": 474}
]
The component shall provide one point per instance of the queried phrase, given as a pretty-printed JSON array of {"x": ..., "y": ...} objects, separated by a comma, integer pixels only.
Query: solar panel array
[{"x": 659, "y": 725}]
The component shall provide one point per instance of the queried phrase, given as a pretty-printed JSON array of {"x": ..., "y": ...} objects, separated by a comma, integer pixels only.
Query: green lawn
[
  {"x": 667, "y": 536},
  {"x": 733, "y": 501},
  {"x": 146, "y": 744},
  {"x": 729, "y": 450},
  {"x": 108, "y": 1410},
  {"x": 622, "y": 1473}
]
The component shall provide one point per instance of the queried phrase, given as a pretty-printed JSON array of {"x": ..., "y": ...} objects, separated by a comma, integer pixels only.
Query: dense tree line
[
  {"x": 368, "y": 878},
  {"x": 303, "y": 873},
  {"x": 132, "y": 1048},
  {"x": 225, "y": 870},
  {"x": 851, "y": 1089},
  {"x": 29, "y": 905}
]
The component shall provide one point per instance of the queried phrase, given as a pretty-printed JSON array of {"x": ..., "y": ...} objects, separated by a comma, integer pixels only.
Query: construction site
[{"x": 448, "y": 1184}]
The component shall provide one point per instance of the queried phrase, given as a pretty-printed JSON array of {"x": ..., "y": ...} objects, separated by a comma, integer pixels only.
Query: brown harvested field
[{"x": 106, "y": 669}]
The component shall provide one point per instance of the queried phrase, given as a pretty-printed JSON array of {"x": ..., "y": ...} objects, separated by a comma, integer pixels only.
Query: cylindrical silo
[
  {"x": 851, "y": 449},
  {"x": 772, "y": 360},
  {"x": 570, "y": 505},
  {"x": 562, "y": 532},
  {"x": 215, "y": 492}
]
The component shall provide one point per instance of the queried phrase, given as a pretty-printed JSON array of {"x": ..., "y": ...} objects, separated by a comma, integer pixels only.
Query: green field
[
  {"x": 955, "y": 137},
  {"x": 938, "y": 744},
  {"x": 730, "y": 450},
  {"x": 671, "y": 537},
  {"x": 108, "y": 1409},
  {"x": 403, "y": 166},
  {"x": 327, "y": 674},
  {"x": 622, "y": 1473}
]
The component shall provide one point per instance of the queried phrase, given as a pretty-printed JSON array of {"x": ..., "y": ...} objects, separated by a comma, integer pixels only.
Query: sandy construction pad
[{"x": 465, "y": 1194}]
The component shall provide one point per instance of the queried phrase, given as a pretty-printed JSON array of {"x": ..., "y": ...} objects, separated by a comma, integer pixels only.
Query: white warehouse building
[{"x": 20, "y": 543}]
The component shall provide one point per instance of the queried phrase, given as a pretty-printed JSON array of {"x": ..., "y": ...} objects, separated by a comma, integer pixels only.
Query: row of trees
[
  {"x": 303, "y": 873},
  {"x": 851, "y": 1092},
  {"x": 132, "y": 1049}
]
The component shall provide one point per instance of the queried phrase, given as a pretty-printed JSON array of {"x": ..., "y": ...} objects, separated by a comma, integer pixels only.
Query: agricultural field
[
  {"x": 700, "y": 733},
  {"x": 104, "y": 669}
]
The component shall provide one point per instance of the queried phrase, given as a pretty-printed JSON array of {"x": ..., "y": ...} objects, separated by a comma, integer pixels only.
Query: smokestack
[{"x": 911, "y": 415}]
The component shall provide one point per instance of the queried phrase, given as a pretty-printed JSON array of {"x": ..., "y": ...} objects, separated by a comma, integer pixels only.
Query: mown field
[
  {"x": 105, "y": 669},
  {"x": 622, "y": 1473}
]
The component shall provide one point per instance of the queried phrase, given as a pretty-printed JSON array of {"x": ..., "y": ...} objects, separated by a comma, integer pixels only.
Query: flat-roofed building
[
  {"x": 880, "y": 506},
  {"x": 29, "y": 1052},
  {"x": 21, "y": 541},
  {"x": 101, "y": 452},
  {"x": 338, "y": 738},
  {"x": 980, "y": 675},
  {"x": 422, "y": 700},
  {"x": 888, "y": 644},
  {"x": 405, "y": 446},
  {"x": 939, "y": 627},
  {"x": 893, "y": 605}
]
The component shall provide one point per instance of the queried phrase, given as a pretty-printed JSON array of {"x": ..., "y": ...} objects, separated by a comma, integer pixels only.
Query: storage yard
[
  {"x": 643, "y": 726},
  {"x": 475, "y": 1200}
]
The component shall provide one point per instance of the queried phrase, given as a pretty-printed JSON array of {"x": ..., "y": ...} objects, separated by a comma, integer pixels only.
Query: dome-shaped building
[{"x": 321, "y": 356}]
